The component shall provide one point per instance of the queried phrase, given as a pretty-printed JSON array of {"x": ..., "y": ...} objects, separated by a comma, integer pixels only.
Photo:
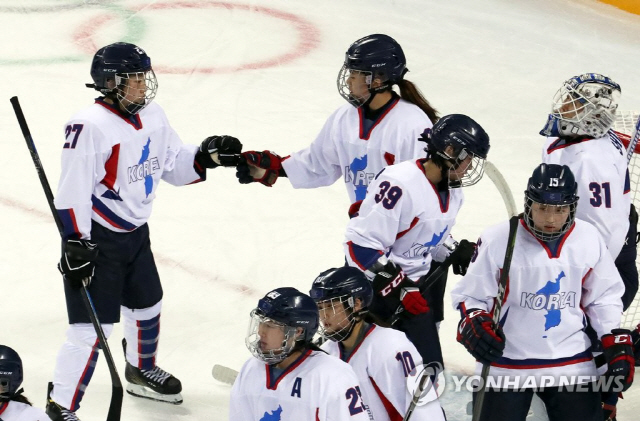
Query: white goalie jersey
[
  {"x": 549, "y": 296},
  {"x": 600, "y": 168},
  {"x": 344, "y": 148}
]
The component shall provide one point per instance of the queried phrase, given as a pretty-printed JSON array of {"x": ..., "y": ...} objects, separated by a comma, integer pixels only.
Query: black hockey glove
[
  {"x": 77, "y": 262},
  {"x": 263, "y": 167},
  {"x": 476, "y": 331},
  {"x": 398, "y": 292},
  {"x": 228, "y": 149},
  {"x": 460, "y": 258},
  {"x": 618, "y": 351},
  {"x": 635, "y": 338}
]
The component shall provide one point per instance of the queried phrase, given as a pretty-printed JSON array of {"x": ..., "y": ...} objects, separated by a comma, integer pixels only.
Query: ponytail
[{"x": 410, "y": 92}]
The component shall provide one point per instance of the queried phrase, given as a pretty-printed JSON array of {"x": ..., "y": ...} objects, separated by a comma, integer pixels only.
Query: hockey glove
[
  {"x": 460, "y": 258},
  {"x": 262, "y": 167},
  {"x": 77, "y": 262},
  {"x": 478, "y": 333},
  {"x": 227, "y": 148},
  {"x": 635, "y": 338},
  {"x": 618, "y": 351},
  {"x": 398, "y": 292}
]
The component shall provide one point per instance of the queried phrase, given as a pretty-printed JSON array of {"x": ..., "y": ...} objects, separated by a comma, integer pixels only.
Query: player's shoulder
[
  {"x": 411, "y": 111},
  {"x": 22, "y": 411},
  {"x": 329, "y": 364},
  {"x": 497, "y": 233},
  {"x": 405, "y": 172},
  {"x": 387, "y": 338},
  {"x": 586, "y": 228}
]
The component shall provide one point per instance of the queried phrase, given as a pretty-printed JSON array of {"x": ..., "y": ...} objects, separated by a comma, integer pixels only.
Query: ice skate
[
  {"x": 57, "y": 412},
  {"x": 155, "y": 384}
]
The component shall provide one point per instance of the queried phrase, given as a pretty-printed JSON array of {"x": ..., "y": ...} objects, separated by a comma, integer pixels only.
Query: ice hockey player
[
  {"x": 115, "y": 153},
  {"x": 580, "y": 135},
  {"x": 561, "y": 275},
  {"x": 407, "y": 216},
  {"x": 14, "y": 406},
  {"x": 375, "y": 129},
  {"x": 290, "y": 378},
  {"x": 382, "y": 358}
]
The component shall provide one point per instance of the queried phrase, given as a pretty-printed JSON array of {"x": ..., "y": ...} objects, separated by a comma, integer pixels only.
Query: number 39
[{"x": 388, "y": 195}]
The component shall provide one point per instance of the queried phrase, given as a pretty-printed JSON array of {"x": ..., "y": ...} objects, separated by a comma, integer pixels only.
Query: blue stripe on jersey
[
  {"x": 363, "y": 256},
  {"x": 531, "y": 363},
  {"x": 69, "y": 223},
  {"x": 627, "y": 183},
  {"x": 110, "y": 216}
]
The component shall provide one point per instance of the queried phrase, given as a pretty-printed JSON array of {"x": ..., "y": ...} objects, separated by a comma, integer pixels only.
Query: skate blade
[{"x": 146, "y": 393}]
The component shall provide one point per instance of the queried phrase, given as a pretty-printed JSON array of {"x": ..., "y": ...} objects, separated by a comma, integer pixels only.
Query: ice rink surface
[{"x": 265, "y": 71}]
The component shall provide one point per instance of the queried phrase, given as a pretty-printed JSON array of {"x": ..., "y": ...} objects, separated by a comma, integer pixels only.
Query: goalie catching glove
[
  {"x": 478, "y": 333},
  {"x": 398, "y": 291},
  {"x": 77, "y": 262},
  {"x": 263, "y": 167}
]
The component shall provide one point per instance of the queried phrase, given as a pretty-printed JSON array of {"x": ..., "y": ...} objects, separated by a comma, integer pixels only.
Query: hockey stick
[
  {"x": 417, "y": 394},
  {"x": 115, "y": 407},
  {"x": 224, "y": 374},
  {"x": 634, "y": 141},
  {"x": 507, "y": 196}
]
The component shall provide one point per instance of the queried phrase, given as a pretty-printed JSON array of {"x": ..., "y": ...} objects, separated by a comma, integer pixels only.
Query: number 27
[{"x": 77, "y": 129}]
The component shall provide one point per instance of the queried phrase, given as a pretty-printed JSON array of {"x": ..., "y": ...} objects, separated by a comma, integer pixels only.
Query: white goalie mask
[{"x": 585, "y": 105}]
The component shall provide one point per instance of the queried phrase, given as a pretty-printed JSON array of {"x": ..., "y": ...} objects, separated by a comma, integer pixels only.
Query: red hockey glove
[
  {"x": 476, "y": 331},
  {"x": 618, "y": 351},
  {"x": 262, "y": 167},
  {"x": 396, "y": 289}
]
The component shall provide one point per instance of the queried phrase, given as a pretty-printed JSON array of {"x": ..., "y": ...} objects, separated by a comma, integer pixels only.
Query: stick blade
[{"x": 224, "y": 374}]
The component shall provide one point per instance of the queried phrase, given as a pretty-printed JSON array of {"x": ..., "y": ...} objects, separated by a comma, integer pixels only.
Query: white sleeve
[
  {"x": 379, "y": 222},
  {"x": 81, "y": 157},
  {"x": 179, "y": 161},
  {"x": 343, "y": 398},
  {"x": 317, "y": 165},
  {"x": 602, "y": 292},
  {"x": 479, "y": 287}
]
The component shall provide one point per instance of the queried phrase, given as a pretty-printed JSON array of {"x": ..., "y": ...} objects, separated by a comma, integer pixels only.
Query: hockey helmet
[{"x": 10, "y": 372}]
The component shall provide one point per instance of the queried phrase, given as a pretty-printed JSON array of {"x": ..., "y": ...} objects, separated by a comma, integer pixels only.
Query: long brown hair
[{"x": 410, "y": 92}]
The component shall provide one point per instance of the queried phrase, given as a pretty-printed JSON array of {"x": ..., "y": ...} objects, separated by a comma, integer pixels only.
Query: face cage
[
  {"x": 589, "y": 109},
  {"x": 273, "y": 356},
  {"x": 474, "y": 172},
  {"x": 122, "y": 89},
  {"x": 345, "y": 92},
  {"x": 348, "y": 302},
  {"x": 5, "y": 384},
  {"x": 548, "y": 236}
]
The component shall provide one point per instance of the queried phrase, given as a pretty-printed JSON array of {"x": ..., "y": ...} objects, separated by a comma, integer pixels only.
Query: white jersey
[
  {"x": 600, "y": 168},
  {"x": 316, "y": 387},
  {"x": 111, "y": 167},
  {"x": 343, "y": 148},
  {"x": 383, "y": 361},
  {"x": 548, "y": 294},
  {"x": 18, "y": 411},
  {"x": 405, "y": 217}
]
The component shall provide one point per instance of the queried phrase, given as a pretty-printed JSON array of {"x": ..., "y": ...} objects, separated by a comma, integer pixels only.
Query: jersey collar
[{"x": 133, "y": 120}]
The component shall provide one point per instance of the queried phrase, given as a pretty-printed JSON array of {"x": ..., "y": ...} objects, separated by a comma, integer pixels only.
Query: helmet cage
[
  {"x": 473, "y": 173},
  {"x": 125, "y": 92},
  {"x": 272, "y": 356},
  {"x": 544, "y": 235},
  {"x": 347, "y": 308},
  {"x": 358, "y": 101},
  {"x": 584, "y": 105}
]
